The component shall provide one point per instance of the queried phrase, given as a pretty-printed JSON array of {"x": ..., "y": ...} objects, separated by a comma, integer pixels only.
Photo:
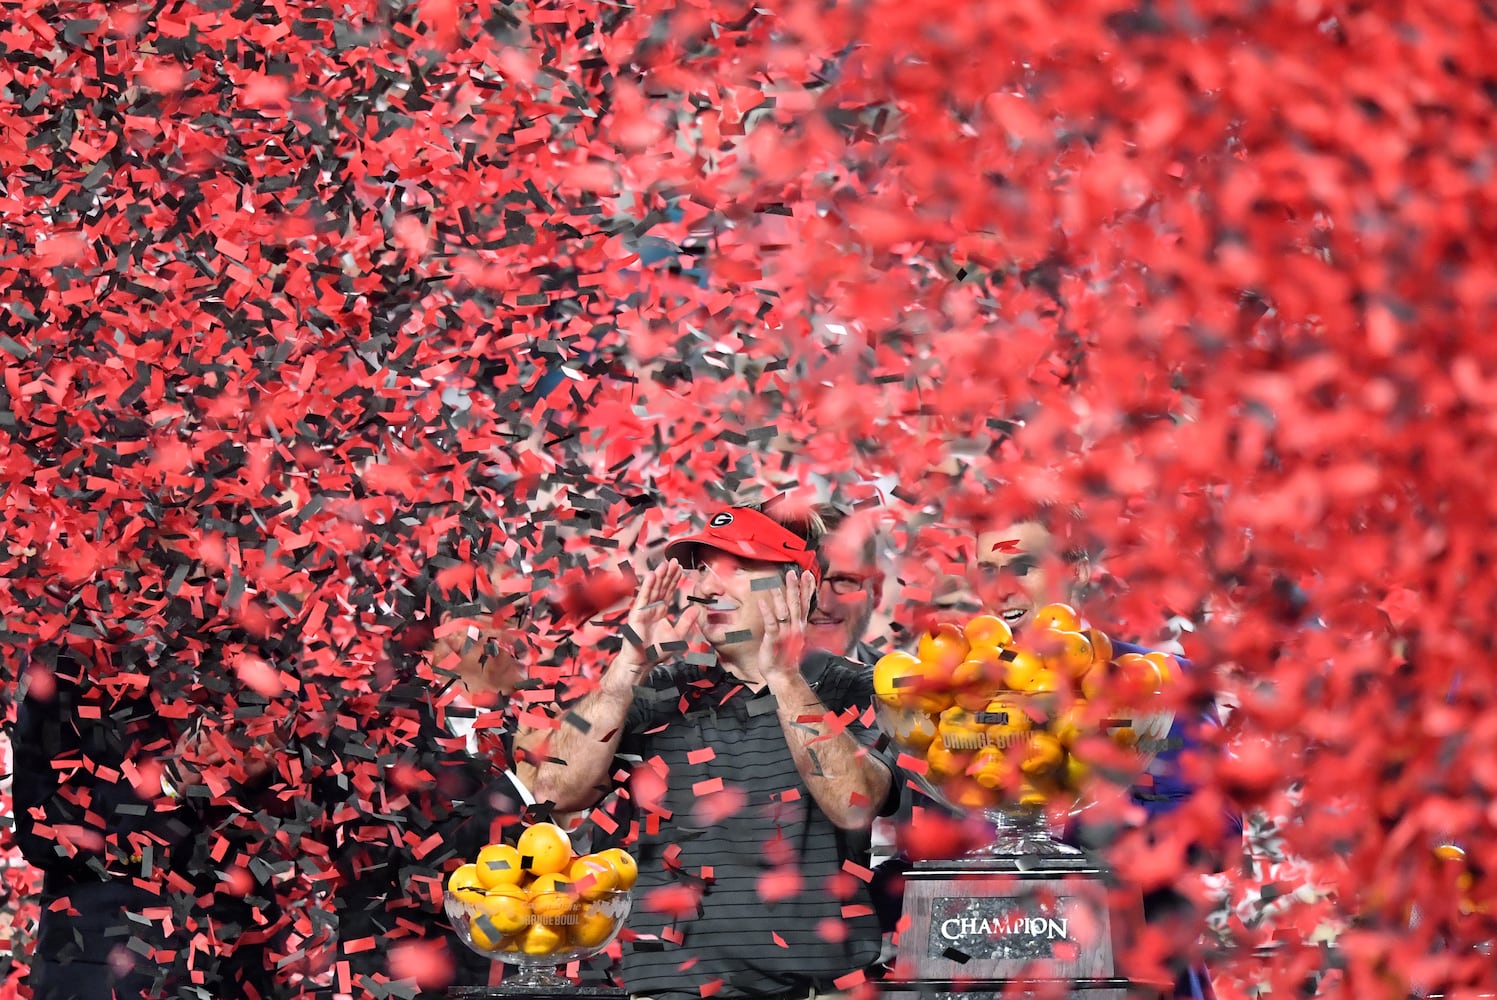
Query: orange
[
  {"x": 507, "y": 908},
  {"x": 1097, "y": 681},
  {"x": 1101, "y": 645},
  {"x": 975, "y": 683},
  {"x": 545, "y": 849},
  {"x": 593, "y": 927},
  {"x": 965, "y": 793},
  {"x": 1134, "y": 679},
  {"x": 944, "y": 763},
  {"x": 499, "y": 864},
  {"x": 1026, "y": 672},
  {"x": 1069, "y": 725},
  {"x": 941, "y": 649},
  {"x": 593, "y": 876},
  {"x": 464, "y": 883},
  {"x": 540, "y": 939},
  {"x": 987, "y": 652},
  {"x": 1070, "y": 652},
  {"x": 1061, "y": 617},
  {"x": 914, "y": 731},
  {"x": 1005, "y": 719},
  {"x": 623, "y": 863},
  {"x": 1045, "y": 756},
  {"x": 1450, "y": 852},
  {"x": 934, "y": 701},
  {"x": 896, "y": 678},
  {"x": 990, "y": 767},
  {"x": 1077, "y": 773},
  {"x": 960, "y": 730},
  {"x": 552, "y": 896},
  {"x": 1165, "y": 667},
  {"x": 484, "y": 933},
  {"x": 988, "y": 630},
  {"x": 1031, "y": 795}
]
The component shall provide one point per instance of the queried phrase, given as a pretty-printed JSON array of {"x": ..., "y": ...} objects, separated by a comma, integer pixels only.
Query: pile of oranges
[
  {"x": 999, "y": 721},
  {"x": 539, "y": 898}
]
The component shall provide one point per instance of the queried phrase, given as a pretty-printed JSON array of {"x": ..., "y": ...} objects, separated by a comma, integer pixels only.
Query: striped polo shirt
[{"x": 742, "y": 884}]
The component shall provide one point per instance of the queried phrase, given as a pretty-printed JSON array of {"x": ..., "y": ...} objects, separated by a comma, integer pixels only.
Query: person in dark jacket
[
  {"x": 426, "y": 783},
  {"x": 145, "y": 815}
]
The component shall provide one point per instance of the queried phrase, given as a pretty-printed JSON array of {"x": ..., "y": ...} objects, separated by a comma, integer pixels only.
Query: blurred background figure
[
  {"x": 851, "y": 586},
  {"x": 147, "y": 792},
  {"x": 442, "y": 785}
]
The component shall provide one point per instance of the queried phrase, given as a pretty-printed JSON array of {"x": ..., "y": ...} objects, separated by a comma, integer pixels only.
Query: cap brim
[{"x": 683, "y": 548}]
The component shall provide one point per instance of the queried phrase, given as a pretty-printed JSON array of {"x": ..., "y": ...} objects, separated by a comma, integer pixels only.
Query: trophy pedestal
[{"x": 1000, "y": 927}]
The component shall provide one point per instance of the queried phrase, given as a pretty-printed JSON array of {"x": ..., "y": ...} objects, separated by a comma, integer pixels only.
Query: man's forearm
[
  {"x": 847, "y": 782},
  {"x": 571, "y": 768}
]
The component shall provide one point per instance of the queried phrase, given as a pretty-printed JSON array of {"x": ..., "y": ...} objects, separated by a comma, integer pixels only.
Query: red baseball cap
[{"x": 745, "y": 532}]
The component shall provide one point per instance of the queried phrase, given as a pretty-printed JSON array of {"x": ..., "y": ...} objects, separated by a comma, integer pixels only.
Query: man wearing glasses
[{"x": 849, "y": 592}]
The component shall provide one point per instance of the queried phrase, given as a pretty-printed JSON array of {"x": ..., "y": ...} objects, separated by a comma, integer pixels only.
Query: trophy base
[{"x": 978, "y": 926}]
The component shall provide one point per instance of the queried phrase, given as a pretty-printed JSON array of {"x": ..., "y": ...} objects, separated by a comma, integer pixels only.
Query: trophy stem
[
  {"x": 537, "y": 977},
  {"x": 1021, "y": 832}
]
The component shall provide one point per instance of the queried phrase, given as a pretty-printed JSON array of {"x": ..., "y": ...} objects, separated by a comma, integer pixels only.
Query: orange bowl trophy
[{"x": 1020, "y": 731}]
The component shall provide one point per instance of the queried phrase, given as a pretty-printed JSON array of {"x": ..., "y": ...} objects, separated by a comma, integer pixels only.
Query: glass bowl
[{"x": 505, "y": 929}]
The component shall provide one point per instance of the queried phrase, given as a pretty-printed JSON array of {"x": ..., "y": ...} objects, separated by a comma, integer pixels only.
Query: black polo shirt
[{"x": 736, "y": 846}]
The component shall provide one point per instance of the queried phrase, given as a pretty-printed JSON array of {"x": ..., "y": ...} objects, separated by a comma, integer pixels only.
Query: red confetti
[
  {"x": 426, "y": 962},
  {"x": 259, "y": 676},
  {"x": 676, "y": 901},
  {"x": 715, "y": 807},
  {"x": 707, "y": 786},
  {"x": 282, "y": 290},
  {"x": 780, "y": 884}
]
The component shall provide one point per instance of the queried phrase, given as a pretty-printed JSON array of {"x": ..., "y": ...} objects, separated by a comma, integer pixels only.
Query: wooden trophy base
[{"x": 980, "y": 926}]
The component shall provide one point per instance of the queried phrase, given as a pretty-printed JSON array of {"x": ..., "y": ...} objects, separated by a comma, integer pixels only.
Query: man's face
[
  {"x": 1012, "y": 576},
  {"x": 1015, "y": 572},
  {"x": 844, "y": 602},
  {"x": 725, "y": 583}
]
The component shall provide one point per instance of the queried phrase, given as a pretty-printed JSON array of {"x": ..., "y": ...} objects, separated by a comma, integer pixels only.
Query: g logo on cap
[{"x": 721, "y": 520}]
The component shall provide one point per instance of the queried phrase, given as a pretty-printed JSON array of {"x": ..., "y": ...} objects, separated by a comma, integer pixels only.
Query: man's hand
[
  {"x": 572, "y": 772},
  {"x": 650, "y": 614},
  {"x": 785, "y": 612}
]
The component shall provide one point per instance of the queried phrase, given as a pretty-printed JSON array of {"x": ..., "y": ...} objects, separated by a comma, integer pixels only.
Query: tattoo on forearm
[{"x": 816, "y": 771}]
